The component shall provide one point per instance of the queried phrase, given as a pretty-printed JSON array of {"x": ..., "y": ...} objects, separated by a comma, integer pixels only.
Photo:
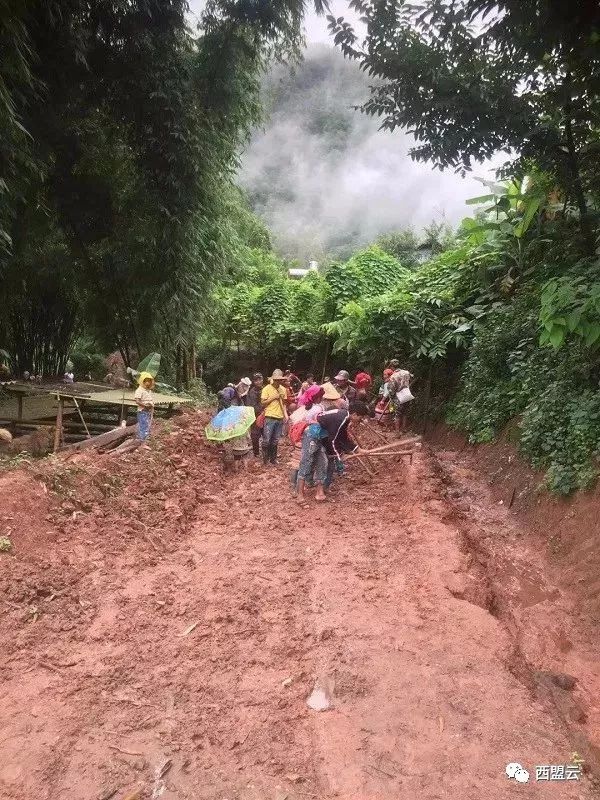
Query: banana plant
[{"x": 514, "y": 203}]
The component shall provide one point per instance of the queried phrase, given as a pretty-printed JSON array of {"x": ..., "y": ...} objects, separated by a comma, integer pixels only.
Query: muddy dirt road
[{"x": 162, "y": 634}]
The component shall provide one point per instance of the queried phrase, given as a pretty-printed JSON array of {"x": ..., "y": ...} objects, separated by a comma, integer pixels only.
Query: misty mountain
[{"x": 324, "y": 178}]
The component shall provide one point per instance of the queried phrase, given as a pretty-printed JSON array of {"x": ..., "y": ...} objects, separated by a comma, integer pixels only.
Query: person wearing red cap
[{"x": 363, "y": 383}]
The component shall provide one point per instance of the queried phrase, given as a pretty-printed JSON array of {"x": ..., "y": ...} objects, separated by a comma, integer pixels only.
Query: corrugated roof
[{"x": 118, "y": 397}]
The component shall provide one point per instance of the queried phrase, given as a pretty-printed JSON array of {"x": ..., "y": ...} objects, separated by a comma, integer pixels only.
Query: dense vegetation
[
  {"x": 121, "y": 226},
  {"x": 119, "y": 133},
  {"x": 504, "y": 322}
]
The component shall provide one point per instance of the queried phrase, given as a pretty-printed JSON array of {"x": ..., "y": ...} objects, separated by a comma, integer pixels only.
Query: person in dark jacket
[
  {"x": 234, "y": 395},
  {"x": 337, "y": 439},
  {"x": 330, "y": 435},
  {"x": 253, "y": 399}
]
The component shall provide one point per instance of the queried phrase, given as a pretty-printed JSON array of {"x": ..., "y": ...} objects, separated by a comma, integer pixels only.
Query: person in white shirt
[{"x": 145, "y": 404}]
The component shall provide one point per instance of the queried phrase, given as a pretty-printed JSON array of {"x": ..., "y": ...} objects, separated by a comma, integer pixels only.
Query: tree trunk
[
  {"x": 573, "y": 166},
  {"x": 178, "y": 367},
  {"x": 184, "y": 366},
  {"x": 193, "y": 358}
]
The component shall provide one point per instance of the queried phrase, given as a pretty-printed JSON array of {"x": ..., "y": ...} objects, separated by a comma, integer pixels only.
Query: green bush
[
  {"x": 86, "y": 359},
  {"x": 561, "y": 433},
  {"x": 509, "y": 374}
]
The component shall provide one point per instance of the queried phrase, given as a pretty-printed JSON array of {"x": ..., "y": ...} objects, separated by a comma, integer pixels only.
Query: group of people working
[{"x": 319, "y": 419}]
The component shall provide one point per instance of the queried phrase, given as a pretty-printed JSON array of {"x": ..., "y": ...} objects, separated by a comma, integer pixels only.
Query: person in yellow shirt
[{"x": 273, "y": 398}]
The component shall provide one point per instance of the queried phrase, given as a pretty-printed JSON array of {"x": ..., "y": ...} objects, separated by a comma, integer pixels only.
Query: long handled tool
[
  {"x": 389, "y": 453},
  {"x": 399, "y": 443},
  {"x": 382, "y": 413},
  {"x": 364, "y": 462},
  {"x": 374, "y": 430}
]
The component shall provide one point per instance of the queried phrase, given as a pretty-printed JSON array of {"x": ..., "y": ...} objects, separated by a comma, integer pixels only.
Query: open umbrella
[{"x": 229, "y": 423}]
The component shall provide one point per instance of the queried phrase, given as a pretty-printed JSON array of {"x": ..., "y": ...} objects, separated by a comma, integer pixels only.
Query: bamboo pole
[{"x": 89, "y": 435}]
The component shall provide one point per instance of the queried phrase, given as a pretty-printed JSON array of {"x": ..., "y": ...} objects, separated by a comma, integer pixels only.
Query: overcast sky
[
  {"x": 369, "y": 187},
  {"x": 316, "y": 27}
]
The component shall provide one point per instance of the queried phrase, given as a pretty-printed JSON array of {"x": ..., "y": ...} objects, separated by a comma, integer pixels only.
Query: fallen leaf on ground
[{"x": 189, "y": 629}]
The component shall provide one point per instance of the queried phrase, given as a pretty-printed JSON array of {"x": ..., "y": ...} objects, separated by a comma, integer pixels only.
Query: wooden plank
[
  {"x": 104, "y": 438},
  {"x": 126, "y": 447},
  {"x": 93, "y": 427}
]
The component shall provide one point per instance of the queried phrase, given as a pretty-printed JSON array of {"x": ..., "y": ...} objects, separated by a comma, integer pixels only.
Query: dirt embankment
[
  {"x": 541, "y": 555},
  {"x": 564, "y": 532},
  {"x": 163, "y": 632}
]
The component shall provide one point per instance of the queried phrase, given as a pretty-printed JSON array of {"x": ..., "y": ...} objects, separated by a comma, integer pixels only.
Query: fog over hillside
[{"x": 322, "y": 175}]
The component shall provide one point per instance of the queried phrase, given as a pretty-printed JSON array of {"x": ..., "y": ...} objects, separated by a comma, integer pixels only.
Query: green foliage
[
  {"x": 509, "y": 374},
  {"x": 570, "y": 307},
  {"x": 495, "y": 385},
  {"x": 86, "y": 359},
  {"x": 403, "y": 245},
  {"x": 367, "y": 273},
  {"x": 561, "y": 432},
  {"x": 437, "y": 237},
  {"x": 119, "y": 135},
  {"x": 151, "y": 364}
]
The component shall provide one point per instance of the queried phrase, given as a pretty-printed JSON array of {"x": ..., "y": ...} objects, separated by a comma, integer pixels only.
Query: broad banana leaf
[{"x": 150, "y": 364}]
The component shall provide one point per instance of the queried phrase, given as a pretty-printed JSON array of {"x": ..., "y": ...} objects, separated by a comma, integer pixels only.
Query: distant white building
[{"x": 313, "y": 266}]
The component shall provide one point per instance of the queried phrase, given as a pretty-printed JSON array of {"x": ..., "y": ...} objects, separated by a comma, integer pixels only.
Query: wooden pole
[
  {"x": 364, "y": 462},
  {"x": 379, "y": 455},
  {"x": 382, "y": 413},
  {"x": 89, "y": 435},
  {"x": 397, "y": 444},
  {"x": 59, "y": 424},
  {"x": 374, "y": 430}
]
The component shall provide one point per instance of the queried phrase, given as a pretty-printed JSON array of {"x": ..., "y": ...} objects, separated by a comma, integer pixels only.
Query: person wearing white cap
[
  {"x": 241, "y": 390},
  {"x": 234, "y": 395}
]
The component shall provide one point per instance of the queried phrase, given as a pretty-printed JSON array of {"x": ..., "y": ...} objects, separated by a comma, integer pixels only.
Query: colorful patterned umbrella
[{"x": 229, "y": 423}]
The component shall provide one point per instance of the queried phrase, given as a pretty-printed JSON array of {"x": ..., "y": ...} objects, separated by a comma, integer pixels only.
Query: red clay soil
[{"x": 163, "y": 632}]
